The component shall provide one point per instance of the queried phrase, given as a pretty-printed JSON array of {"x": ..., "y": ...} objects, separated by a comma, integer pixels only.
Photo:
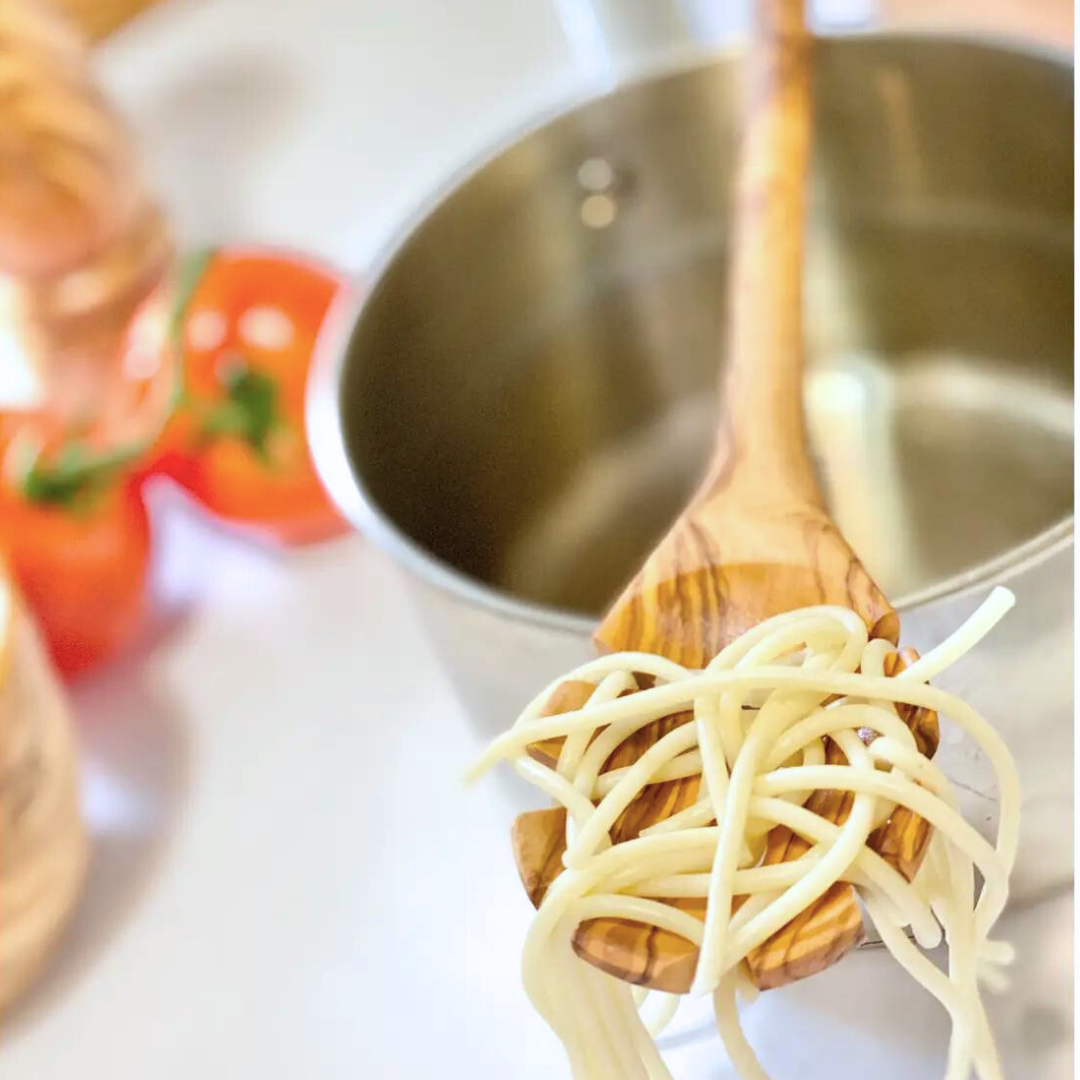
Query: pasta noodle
[{"x": 762, "y": 711}]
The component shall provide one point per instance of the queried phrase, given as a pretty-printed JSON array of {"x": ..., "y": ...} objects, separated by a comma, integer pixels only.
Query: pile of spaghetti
[{"x": 769, "y": 714}]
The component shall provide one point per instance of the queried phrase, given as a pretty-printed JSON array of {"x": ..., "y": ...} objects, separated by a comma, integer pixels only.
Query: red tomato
[
  {"x": 76, "y": 536},
  {"x": 245, "y": 325}
]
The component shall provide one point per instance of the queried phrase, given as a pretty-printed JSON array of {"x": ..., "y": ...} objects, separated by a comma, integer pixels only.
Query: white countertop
[{"x": 289, "y": 880}]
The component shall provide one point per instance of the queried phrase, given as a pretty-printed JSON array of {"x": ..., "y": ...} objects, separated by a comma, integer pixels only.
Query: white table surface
[{"x": 288, "y": 880}]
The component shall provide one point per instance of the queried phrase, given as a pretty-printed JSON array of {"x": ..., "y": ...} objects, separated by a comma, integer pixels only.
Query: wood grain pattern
[
  {"x": 903, "y": 839},
  {"x": 756, "y": 540},
  {"x": 818, "y": 937}
]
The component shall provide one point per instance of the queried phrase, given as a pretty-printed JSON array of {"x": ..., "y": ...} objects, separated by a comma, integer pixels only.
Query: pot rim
[{"x": 326, "y": 431}]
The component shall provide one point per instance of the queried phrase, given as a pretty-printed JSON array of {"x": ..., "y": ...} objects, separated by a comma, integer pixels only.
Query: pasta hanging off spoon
[
  {"x": 760, "y": 717},
  {"x": 750, "y": 768}
]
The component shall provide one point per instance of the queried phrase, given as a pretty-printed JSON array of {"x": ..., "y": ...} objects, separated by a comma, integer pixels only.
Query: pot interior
[{"x": 530, "y": 390}]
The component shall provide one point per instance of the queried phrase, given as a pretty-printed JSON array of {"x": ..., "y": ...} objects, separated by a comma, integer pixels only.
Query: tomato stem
[
  {"x": 73, "y": 474},
  {"x": 251, "y": 409}
]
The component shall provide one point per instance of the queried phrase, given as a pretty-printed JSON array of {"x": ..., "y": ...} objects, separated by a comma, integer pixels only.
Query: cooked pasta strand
[{"x": 763, "y": 712}]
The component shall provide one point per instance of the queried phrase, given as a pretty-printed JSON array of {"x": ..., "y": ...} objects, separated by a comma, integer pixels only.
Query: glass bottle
[{"x": 82, "y": 241}]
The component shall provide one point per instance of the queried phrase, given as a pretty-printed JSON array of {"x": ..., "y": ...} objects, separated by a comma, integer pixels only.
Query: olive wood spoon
[{"x": 755, "y": 541}]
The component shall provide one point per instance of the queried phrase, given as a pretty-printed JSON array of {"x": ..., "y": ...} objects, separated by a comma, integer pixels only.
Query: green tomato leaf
[{"x": 251, "y": 410}]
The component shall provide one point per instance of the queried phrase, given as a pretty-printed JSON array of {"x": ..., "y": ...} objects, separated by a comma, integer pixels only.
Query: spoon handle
[{"x": 762, "y": 427}]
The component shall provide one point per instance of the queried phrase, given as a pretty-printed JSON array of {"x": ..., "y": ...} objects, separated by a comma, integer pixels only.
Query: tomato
[
  {"x": 245, "y": 326},
  {"x": 76, "y": 536}
]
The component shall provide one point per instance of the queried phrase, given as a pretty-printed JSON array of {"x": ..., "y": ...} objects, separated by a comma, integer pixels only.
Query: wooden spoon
[
  {"x": 664, "y": 961},
  {"x": 755, "y": 541}
]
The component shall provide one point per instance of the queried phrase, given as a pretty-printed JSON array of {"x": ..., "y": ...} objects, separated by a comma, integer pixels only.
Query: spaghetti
[{"x": 762, "y": 712}]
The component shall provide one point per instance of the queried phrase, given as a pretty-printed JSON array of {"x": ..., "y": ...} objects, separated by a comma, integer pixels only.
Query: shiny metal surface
[{"x": 527, "y": 396}]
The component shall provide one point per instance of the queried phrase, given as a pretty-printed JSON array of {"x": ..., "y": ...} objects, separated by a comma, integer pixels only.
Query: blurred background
[{"x": 187, "y": 189}]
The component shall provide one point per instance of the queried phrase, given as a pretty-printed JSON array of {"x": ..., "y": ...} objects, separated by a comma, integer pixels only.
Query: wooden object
[
  {"x": 816, "y": 938},
  {"x": 98, "y": 19},
  {"x": 756, "y": 539},
  {"x": 43, "y": 844},
  {"x": 754, "y": 542}
]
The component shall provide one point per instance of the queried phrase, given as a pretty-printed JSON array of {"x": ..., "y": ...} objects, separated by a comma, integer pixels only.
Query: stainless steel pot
[{"x": 526, "y": 397}]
